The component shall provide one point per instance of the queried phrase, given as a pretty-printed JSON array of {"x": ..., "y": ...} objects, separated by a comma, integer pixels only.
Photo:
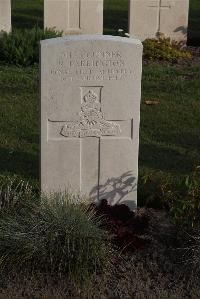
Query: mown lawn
[
  {"x": 194, "y": 22},
  {"x": 26, "y": 14},
  {"x": 169, "y": 137},
  {"x": 170, "y": 131},
  {"x": 115, "y": 16},
  {"x": 19, "y": 122}
]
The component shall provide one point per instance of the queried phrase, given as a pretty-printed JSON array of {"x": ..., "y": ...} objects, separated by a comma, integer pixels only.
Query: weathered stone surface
[
  {"x": 5, "y": 15},
  {"x": 90, "y": 111},
  {"x": 147, "y": 18},
  {"x": 74, "y": 16}
]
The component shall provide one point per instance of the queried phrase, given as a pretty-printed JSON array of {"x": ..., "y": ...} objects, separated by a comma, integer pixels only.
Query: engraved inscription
[
  {"x": 92, "y": 122},
  {"x": 94, "y": 65}
]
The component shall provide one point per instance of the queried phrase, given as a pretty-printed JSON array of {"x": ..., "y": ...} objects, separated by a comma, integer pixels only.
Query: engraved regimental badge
[{"x": 92, "y": 122}]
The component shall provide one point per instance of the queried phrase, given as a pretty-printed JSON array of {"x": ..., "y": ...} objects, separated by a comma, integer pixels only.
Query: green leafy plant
[
  {"x": 164, "y": 49},
  {"x": 185, "y": 204},
  {"x": 21, "y": 47},
  {"x": 181, "y": 196},
  {"x": 58, "y": 235}
]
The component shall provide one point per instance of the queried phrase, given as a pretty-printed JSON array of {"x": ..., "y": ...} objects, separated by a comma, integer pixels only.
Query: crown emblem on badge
[{"x": 92, "y": 122}]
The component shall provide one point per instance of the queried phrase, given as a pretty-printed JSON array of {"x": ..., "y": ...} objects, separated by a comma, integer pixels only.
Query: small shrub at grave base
[
  {"x": 185, "y": 204},
  {"x": 164, "y": 49},
  {"x": 181, "y": 196},
  {"x": 124, "y": 226},
  {"x": 21, "y": 47},
  {"x": 57, "y": 236}
]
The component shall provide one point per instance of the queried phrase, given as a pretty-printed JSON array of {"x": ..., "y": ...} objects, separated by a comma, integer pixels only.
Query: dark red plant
[{"x": 124, "y": 226}]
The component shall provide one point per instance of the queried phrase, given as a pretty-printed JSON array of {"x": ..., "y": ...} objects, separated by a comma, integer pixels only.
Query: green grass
[
  {"x": 194, "y": 22},
  {"x": 19, "y": 122},
  {"x": 115, "y": 16},
  {"x": 27, "y": 13},
  {"x": 169, "y": 136}
]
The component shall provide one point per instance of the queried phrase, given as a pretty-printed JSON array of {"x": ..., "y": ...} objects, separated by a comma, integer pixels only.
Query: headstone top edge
[{"x": 91, "y": 37}]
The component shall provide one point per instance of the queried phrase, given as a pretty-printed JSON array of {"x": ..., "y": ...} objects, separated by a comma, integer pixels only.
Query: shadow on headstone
[
  {"x": 181, "y": 29},
  {"x": 116, "y": 189}
]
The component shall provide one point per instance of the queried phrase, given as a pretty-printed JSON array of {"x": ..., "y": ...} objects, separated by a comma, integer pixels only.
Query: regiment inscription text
[{"x": 88, "y": 66}]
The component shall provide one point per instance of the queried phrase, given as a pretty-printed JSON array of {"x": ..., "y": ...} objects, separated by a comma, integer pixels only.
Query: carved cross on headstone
[
  {"x": 91, "y": 124},
  {"x": 160, "y": 6},
  {"x": 73, "y": 14}
]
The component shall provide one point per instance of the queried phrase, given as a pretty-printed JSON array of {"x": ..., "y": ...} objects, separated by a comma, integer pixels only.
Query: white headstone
[
  {"x": 5, "y": 15},
  {"x": 90, "y": 111},
  {"x": 147, "y": 18},
  {"x": 74, "y": 16}
]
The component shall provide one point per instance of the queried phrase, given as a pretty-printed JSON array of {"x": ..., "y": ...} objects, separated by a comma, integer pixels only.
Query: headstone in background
[
  {"x": 5, "y": 15},
  {"x": 148, "y": 18},
  {"x": 90, "y": 112},
  {"x": 74, "y": 16}
]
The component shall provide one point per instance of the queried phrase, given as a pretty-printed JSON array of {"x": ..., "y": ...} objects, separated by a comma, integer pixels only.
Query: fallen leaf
[{"x": 152, "y": 102}]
